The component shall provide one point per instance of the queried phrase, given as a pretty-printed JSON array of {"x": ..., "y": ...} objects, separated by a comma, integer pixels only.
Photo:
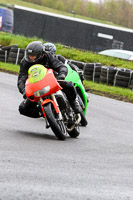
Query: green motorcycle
[{"x": 82, "y": 96}]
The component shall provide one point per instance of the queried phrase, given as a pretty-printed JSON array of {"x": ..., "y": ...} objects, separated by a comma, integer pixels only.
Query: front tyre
[{"x": 55, "y": 123}]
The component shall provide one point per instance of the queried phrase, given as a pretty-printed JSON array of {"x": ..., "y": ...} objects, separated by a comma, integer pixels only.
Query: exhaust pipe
[{"x": 76, "y": 123}]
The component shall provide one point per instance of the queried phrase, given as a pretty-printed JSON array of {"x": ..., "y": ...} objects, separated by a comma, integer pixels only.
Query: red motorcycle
[{"x": 42, "y": 87}]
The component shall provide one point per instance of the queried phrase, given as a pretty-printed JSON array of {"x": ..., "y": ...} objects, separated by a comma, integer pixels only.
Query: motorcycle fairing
[
  {"x": 30, "y": 88},
  {"x": 74, "y": 77}
]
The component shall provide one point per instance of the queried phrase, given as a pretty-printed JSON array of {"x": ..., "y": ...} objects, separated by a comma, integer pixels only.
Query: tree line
[{"x": 118, "y": 12}]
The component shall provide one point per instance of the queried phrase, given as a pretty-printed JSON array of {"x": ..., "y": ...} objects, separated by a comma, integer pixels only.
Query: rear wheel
[
  {"x": 55, "y": 123},
  {"x": 83, "y": 118},
  {"x": 83, "y": 121}
]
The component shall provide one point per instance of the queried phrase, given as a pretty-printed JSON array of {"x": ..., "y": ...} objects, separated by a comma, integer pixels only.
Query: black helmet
[
  {"x": 50, "y": 47},
  {"x": 34, "y": 52}
]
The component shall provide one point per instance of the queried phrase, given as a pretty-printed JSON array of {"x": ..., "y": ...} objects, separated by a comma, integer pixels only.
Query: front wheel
[{"x": 55, "y": 123}]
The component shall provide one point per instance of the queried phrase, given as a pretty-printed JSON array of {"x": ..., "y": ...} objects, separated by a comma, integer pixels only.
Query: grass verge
[
  {"x": 10, "y": 68},
  {"x": 122, "y": 94}
]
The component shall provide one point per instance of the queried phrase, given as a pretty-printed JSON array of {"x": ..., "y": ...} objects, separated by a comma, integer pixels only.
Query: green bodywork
[{"x": 74, "y": 77}]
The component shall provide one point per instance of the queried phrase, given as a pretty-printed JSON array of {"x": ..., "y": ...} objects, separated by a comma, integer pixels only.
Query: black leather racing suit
[{"x": 29, "y": 108}]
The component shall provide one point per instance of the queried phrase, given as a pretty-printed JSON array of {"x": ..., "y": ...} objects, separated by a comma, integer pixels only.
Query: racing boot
[
  {"x": 76, "y": 106},
  {"x": 77, "y": 109}
]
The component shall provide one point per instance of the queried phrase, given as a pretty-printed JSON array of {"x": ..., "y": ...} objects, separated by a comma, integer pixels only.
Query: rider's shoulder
[{"x": 24, "y": 63}]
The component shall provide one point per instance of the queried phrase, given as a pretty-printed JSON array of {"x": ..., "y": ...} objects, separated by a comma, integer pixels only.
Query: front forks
[
  {"x": 54, "y": 99},
  {"x": 55, "y": 105}
]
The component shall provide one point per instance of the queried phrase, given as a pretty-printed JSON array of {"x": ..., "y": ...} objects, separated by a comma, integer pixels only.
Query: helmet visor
[{"x": 32, "y": 56}]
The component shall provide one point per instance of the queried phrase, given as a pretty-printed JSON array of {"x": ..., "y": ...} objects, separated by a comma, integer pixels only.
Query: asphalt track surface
[{"x": 34, "y": 165}]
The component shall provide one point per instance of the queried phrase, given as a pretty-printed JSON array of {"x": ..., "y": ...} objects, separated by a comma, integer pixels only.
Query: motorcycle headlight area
[{"x": 41, "y": 92}]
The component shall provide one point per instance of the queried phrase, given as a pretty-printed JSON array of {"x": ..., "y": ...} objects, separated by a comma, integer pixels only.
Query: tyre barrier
[
  {"x": 123, "y": 77},
  {"x": 11, "y": 54},
  {"x": 131, "y": 81},
  {"x": 4, "y": 52},
  {"x": 79, "y": 64},
  {"x": 107, "y": 74},
  {"x": 92, "y": 72},
  {"x": 3, "y": 55},
  {"x": 15, "y": 55}
]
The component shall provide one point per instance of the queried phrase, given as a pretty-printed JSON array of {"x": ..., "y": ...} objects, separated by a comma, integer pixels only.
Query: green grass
[
  {"x": 119, "y": 93},
  {"x": 7, "y": 39},
  {"x": 9, "y": 67},
  {"x": 91, "y": 57}
]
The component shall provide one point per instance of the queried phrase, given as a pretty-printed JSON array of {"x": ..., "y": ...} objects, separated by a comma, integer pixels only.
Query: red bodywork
[{"x": 48, "y": 80}]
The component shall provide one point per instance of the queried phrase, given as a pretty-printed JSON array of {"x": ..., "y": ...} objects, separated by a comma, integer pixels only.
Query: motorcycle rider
[
  {"x": 50, "y": 47},
  {"x": 35, "y": 54}
]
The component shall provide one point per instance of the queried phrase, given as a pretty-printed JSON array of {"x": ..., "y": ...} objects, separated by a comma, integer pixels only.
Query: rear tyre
[
  {"x": 83, "y": 118},
  {"x": 83, "y": 121},
  {"x": 56, "y": 125}
]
